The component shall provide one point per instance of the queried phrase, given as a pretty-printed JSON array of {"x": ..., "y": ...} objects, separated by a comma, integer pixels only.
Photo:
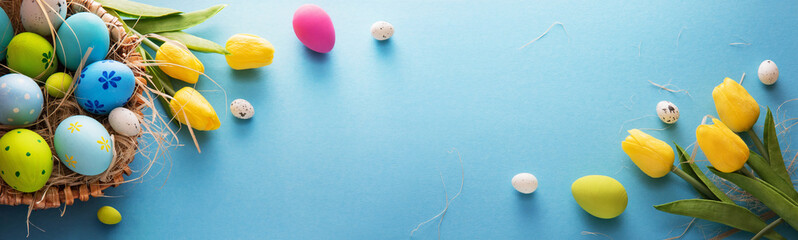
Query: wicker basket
[{"x": 64, "y": 186}]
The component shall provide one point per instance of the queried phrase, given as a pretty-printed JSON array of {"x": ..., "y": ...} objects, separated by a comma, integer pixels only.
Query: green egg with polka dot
[
  {"x": 32, "y": 55},
  {"x": 25, "y": 160}
]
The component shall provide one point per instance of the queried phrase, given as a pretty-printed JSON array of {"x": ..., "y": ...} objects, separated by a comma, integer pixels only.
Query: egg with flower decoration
[
  {"x": 83, "y": 145},
  {"x": 103, "y": 86}
]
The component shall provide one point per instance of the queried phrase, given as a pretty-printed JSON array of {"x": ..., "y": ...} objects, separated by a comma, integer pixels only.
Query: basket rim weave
[{"x": 51, "y": 196}]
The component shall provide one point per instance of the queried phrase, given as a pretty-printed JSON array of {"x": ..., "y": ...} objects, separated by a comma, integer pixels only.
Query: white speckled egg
[
  {"x": 525, "y": 183},
  {"x": 34, "y": 19},
  {"x": 381, "y": 30},
  {"x": 667, "y": 112},
  {"x": 83, "y": 145},
  {"x": 21, "y": 100},
  {"x": 768, "y": 72},
  {"x": 242, "y": 109},
  {"x": 124, "y": 122}
]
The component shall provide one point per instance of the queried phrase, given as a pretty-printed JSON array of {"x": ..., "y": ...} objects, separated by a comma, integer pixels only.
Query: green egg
[
  {"x": 601, "y": 196},
  {"x": 109, "y": 215},
  {"x": 58, "y": 84},
  {"x": 25, "y": 160},
  {"x": 32, "y": 55}
]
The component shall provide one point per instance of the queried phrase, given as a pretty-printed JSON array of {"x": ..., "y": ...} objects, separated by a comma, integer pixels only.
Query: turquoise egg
[
  {"x": 83, "y": 145},
  {"x": 21, "y": 100},
  {"x": 104, "y": 85},
  {"x": 6, "y": 33},
  {"x": 79, "y": 33}
]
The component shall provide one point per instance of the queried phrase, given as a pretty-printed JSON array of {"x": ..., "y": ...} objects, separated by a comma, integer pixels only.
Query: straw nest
[{"x": 64, "y": 185}]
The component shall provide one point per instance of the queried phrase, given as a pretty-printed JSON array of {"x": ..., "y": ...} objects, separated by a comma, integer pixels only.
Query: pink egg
[{"x": 314, "y": 28}]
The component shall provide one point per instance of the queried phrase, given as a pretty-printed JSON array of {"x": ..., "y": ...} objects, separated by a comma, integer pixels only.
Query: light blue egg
[
  {"x": 6, "y": 33},
  {"x": 104, "y": 85},
  {"x": 21, "y": 100},
  {"x": 76, "y": 35},
  {"x": 83, "y": 145}
]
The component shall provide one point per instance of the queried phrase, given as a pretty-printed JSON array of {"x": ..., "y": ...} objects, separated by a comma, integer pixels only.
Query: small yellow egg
[
  {"x": 248, "y": 51},
  {"x": 601, "y": 196},
  {"x": 58, "y": 84},
  {"x": 109, "y": 215}
]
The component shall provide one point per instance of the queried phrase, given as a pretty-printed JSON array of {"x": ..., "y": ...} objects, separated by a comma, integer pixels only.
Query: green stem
[
  {"x": 767, "y": 229},
  {"x": 697, "y": 185},
  {"x": 747, "y": 172},
  {"x": 758, "y": 143}
]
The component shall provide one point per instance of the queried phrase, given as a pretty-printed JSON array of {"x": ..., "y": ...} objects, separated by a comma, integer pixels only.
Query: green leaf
[
  {"x": 195, "y": 43},
  {"x": 762, "y": 168},
  {"x": 133, "y": 9},
  {"x": 684, "y": 157},
  {"x": 725, "y": 213},
  {"x": 767, "y": 194},
  {"x": 174, "y": 22},
  {"x": 774, "y": 150}
]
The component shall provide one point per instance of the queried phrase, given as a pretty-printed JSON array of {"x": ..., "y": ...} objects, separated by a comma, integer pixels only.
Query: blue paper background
[{"x": 353, "y": 144}]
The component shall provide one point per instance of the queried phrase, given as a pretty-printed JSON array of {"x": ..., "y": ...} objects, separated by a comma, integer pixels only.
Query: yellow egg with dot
[{"x": 25, "y": 160}]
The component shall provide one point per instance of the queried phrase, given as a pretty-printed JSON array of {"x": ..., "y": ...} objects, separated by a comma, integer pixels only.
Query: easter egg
[
  {"x": 103, "y": 86},
  {"x": 80, "y": 32},
  {"x": 58, "y": 84},
  {"x": 768, "y": 72},
  {"x": 667, "y": 112},
  {"x": 34, "y": 19},
  {"x": 21, "y": 100},
  {"x": 25, "y": 160},
  {"x": 601, "y": 196},
  {"x": 314, "y": 28},
  {"x": 525, "y": 183},
  {"x": 381, "y": 30},
  {"x": 242, "y": 109},
  {"x": 124, "y": 122},
  {"x": 83, "y": 145},
  {"x": 6, "y": 33},
  {"x": 32, "y": 55},
  {"x": 109, "y": 215}
]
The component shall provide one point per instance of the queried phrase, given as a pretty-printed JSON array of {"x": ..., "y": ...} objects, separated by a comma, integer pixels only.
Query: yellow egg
[
  {"x": 601, "y": 196},
  {"x": 109, "y": 215}
]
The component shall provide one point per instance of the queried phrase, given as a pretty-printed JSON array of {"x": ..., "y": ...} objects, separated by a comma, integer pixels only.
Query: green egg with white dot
[
  {"x": 21, "y": 100},
  {"x": 58, "y": 84},
  {"x": 25, "y": 160},
  {"x": 32, "y": 55}
]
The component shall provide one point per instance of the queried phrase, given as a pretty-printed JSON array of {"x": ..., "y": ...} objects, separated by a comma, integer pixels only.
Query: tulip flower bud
[
  {"x": 653, "y": 156},
  {"x": 736, "y": 108},
  {"x": 725, "y": 150},
  {"x": 248, "y": 51},
  {"x": 179, "y": 62},
  {"x": 191, "y": 108}
]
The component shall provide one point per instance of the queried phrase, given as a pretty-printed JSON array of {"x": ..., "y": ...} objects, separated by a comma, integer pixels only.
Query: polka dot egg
[
  {"x": 25, "y": 160},
  {"x": 768, "y": 72},
  {"x": 20, "y": 100},
  {"x": 381, "y": 30},
  {"x": 34, "y": 19},
  {"x": 124, "y": 122},
  {"x": 667, "y": 112},
  {"x": 242, "y": 109},
  {"x": 525, "y": 183}
]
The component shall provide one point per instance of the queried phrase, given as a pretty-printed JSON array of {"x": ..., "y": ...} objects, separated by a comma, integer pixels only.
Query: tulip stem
[
  {"x": 767, "y": 228},
  {"x": 758, "y": 143},
  {"x": 747, "y": 172},
  {"x": 692, "y": 181}
]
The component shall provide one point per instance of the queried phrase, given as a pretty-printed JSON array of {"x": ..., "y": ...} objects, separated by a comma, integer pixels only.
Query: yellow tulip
[
  {"x": 735, "y": 106},
  {"x": 248, "y": 51},
  {"x": 725, "y": 150},
  {"x": 653, "y": 156},
  {"x": 180, "y": 62},
  {"x": 191, "y": 108}
]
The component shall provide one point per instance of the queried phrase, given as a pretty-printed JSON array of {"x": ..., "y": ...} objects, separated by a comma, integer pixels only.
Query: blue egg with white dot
[
  {"x": 103, "y": 86},
  {"x": 21, "y": 100}
]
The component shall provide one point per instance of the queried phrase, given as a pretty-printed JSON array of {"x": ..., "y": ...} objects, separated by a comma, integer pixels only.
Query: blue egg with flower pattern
[{"x": 103, "y": 86}]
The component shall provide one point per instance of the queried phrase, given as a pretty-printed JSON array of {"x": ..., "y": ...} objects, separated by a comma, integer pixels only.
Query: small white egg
[
  {"x": 768, "y": 72},
  {"x": 667, "y": 112},
  {"x": 34, "y": 19},
  {"x": 242, "y": 109},
  {"x": 124, "y": 122},
  {"x": 525, "y": 183},
  {"x": 381, "y": 30}
]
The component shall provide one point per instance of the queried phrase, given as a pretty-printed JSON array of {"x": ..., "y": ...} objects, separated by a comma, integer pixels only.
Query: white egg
[
  {"x": 667, "y": 112},
  {"x": 381, "y": 30},
  {"x": 768, "y": 72},
  {"x": 242, "y": 109},
  {"x": 34, "y": 19},
  {"x": 124, "y": 122},
  {"x": 525, "y": 183}
]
